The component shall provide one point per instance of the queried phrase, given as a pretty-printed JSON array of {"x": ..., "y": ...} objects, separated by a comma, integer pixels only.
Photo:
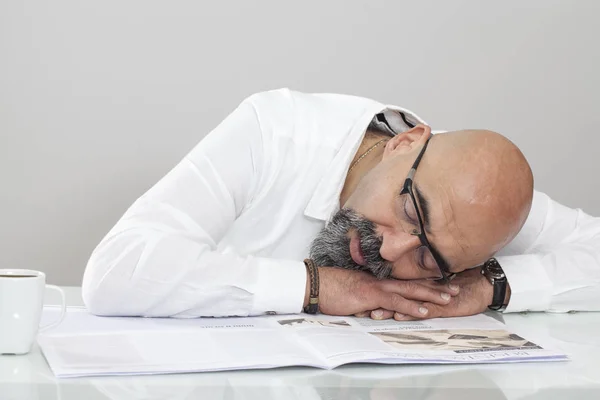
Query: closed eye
[
  {"x": 425, "y": 259},
  {"x": 409, "y": 210}
]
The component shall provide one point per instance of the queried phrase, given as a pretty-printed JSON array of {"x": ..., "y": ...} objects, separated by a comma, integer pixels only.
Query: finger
[
  {"x": 417, "y": 290},
  {"x": 399, "y": 304},
  {"x": 436, "y": 311},
  {"x": 452, "y": 288},
  {"x": 402, "y": 317},
  {"x": 381, "y": 314},
  {"x": 363, "y": 314}
]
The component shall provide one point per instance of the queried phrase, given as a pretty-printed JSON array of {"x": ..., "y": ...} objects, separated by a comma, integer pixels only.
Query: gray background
[{"x": 99, "y": 99}]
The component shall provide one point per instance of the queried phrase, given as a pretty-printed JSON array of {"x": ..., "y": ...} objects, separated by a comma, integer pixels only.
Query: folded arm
[
  {"x": 162, "y": 257},
  {"x": 554, "y": 262}
]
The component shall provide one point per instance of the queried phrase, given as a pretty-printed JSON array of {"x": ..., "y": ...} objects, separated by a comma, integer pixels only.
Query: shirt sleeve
[
  {"x": 554, "y": 263},
  {"x": 161, "y": 259}
]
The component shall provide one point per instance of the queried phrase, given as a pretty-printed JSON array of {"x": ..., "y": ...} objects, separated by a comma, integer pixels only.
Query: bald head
[
  {"x": 472, "y": 190},
  {"x": 489, "y": 179}
]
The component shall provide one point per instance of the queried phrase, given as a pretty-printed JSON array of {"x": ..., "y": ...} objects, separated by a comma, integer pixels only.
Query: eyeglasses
[{"x": 427, "y": 257}]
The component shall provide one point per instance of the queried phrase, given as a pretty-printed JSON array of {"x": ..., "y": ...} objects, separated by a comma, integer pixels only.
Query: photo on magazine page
[
  {"x": 313, "y": 322},
  {"x": 457, "y": 340}
]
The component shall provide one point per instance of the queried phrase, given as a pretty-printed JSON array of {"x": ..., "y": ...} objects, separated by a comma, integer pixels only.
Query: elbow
[
  {"x": 99, "y": 299},
  {"x": 102, "y": 296},
  {"x": 96, "y": 303},
  {"x": 107, "y": 285}
]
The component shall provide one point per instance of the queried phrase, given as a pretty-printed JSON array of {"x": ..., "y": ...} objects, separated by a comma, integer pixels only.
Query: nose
[{"x": 396, "y": 243}]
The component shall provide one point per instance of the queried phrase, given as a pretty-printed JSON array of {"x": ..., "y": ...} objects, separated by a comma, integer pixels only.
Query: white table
[{"x": 578, "y": 334}]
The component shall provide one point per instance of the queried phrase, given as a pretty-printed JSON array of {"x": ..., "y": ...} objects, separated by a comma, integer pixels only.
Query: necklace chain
[{"x": 370, "y": 149}]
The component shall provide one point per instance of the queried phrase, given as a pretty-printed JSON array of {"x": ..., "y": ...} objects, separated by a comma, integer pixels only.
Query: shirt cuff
[
  {"x": 530, "y": 286},
  {"x": 280, "y": 288}
]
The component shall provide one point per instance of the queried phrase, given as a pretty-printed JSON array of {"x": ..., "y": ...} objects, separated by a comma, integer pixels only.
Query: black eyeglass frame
[{"x": 407, "y": 187}]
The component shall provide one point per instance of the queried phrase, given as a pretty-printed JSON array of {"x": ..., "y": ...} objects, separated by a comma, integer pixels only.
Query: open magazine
[{"x": 86, "y": 345}]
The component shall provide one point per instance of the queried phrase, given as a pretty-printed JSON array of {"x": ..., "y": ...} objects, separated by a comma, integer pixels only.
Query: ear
[{"x": 407, "y": 141}]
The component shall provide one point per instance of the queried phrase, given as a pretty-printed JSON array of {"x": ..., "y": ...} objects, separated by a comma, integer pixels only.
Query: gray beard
[{"x": 331, "y": 247}]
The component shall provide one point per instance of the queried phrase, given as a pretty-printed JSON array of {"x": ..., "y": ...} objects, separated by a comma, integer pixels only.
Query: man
[{"x": 226, "y": 231}]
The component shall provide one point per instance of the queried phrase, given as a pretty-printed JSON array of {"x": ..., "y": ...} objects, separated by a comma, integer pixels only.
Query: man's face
[
  {"x": 337, "y": 244},
  {"x": 372, "y": 230}
]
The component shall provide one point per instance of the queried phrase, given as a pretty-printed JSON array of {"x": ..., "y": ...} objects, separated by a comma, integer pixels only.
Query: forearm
[
  {"x": 560, "y": 280},
  {"x": 146, "y": 273},
  {"x": 554, "y": 262}
]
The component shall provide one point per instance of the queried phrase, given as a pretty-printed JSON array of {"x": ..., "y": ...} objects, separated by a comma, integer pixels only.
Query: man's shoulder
[{"x": 285, "y": 99}]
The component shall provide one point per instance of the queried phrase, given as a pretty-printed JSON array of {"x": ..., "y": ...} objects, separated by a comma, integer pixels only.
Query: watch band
[
  {"x": 313, "y": 275},
  {"x": 495, "y": 275},
  {"x": 499, "y": 296}
]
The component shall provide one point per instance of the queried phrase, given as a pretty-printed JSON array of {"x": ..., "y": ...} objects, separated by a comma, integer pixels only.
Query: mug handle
[{"x": 63, "y": 309}]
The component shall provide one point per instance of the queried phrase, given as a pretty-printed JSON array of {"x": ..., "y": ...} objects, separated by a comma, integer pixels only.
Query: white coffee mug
[{"x": 21, "y": 303}]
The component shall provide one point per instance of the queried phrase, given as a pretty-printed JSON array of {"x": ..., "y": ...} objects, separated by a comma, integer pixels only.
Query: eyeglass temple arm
[{"x": 413, "y": 170}]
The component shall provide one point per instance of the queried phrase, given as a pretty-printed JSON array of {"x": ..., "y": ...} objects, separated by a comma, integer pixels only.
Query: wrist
[
  {"x": 493, "y": 272},
  {"x": 507, "y": 296},
  {"x": 488, "y": 290},
  {"x": 312, "y": 305}
]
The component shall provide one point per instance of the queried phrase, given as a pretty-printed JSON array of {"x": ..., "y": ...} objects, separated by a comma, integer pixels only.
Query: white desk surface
[{"x": 578, "y": 335}]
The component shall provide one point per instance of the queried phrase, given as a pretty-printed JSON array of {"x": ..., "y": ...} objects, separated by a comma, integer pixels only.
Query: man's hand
[
  {"x": 475, "y": 296},
  {"x": 348, "y": 292}
]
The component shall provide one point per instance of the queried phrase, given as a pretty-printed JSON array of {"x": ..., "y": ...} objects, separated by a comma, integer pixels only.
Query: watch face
[{"x": 493, "y": 269}]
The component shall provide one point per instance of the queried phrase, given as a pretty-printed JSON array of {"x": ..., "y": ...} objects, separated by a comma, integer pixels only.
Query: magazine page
[
  {"x": 85, "y": 345},
  {"x": 88, "y": 345},
  {"x": 474, "y": 339}
]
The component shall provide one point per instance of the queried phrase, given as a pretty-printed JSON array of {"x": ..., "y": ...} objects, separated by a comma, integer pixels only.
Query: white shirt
[{"x": 225, "y": 232}]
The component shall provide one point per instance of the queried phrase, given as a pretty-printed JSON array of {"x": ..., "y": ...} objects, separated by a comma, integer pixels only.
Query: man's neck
[{"x": 365, "y": 164}]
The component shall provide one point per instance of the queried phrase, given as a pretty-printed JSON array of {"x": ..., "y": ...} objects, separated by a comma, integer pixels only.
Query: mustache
[{"x": 331, "y": 247}]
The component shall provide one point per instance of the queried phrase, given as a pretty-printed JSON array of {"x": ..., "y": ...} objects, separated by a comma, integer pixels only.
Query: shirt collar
[{"x": 325, "y": 200}]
